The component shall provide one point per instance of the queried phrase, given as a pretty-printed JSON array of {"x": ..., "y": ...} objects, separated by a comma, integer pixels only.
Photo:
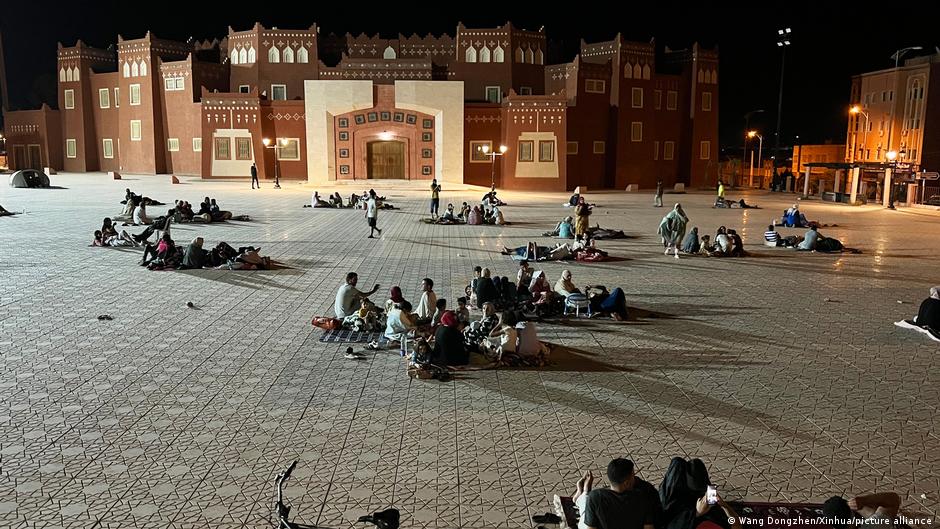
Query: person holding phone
[
  {"x": 629, "y": 503},
  {"x": 688, "y": 498}
]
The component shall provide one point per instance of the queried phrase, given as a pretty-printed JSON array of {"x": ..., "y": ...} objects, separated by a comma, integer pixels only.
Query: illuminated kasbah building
[{"x": 365, "y": 107}]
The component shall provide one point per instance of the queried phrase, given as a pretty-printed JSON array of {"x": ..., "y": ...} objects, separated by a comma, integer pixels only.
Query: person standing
[
  {"x": 658, "y": 197},
  {"x": 582, "y": 211},
  {"x": 435, "y": 198},
  {"x": 721, "y": 190},
  {"x": 672, "y": 229},
  {"x": 254, "y": 176},
  {"x": 372, "y": 213}
]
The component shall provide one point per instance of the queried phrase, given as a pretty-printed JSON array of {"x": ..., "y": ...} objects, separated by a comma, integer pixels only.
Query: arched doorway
[{"x": 386, "y": 159}]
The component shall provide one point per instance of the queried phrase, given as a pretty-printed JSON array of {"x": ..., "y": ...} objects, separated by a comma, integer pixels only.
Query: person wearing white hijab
[
  {"x": 672, "y": 229},
  {"x": 927, "y": 320}
]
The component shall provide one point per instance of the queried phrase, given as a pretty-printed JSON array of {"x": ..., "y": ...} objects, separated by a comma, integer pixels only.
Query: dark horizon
[{"x": 817, "y": 83}]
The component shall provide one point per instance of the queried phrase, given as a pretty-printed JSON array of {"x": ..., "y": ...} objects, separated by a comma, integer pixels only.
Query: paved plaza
[{"x": 782, "y": 371}]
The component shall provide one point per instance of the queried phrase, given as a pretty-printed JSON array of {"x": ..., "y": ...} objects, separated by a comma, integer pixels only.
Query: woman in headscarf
[
  {"x": 691, "y": 242},
  {"x": 927, "y": 320},
  {"x": 539, "y": 287},
  {"x": 194, "y": 256},
  {"x": 475, "y": 217},
  {"x": 394, "y": 298},
  {"x": 564, "y": 287},
  {"x": 477, "y": 331},
  {"x": 582, "y": 211},
  {"x": 486, "y": 291},
  {"x": 449, "y": 346},
  {"x": 672, "y": 229}
]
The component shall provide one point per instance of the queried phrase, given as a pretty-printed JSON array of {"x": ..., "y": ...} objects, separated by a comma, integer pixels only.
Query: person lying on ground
[
  {"x": 449, "y": 348},
  {"x": 122, "y": 239},
  {"x": 741, "y": 204},
  {"x": 927, "y": 320},
  {"x": 878, "y": 510},
  {"x": 348, "y": 296}
]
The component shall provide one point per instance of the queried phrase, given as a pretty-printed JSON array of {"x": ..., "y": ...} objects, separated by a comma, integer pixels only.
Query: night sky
[{"x": 831, "y": 42}]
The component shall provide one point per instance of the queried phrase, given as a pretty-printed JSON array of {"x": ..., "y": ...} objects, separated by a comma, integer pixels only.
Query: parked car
[{"x": 934, "y": 200}]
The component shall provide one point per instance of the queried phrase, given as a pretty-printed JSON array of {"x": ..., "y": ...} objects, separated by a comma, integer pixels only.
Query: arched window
[
  {"x": 274, "y": 55},
  {"x": 389, "y": 53},
  {"x": 62, "y": 74},
  {"x": 288, "y": 54},
  {"x": 498, "y": 54},
  {"x": 471, "y": 54},
  {"x": 75, "y": 73},
  {"x": 68, "y": 74},
  {"x": 485, "y": 54},
  {"x": 529, "y": 56},
  {"x": 243, "y": 56},
  {"x": 252, "y": 56},
  {"x": 127, "y": 70},
  {"x": 646, "y": 72},
  {"x": 701, "y": 76},
  {"x": 637, "y": 72},
  {"x": 628, "y": 71},
  {"x": 135, "y": 70},
  {"x": 520, "y": 57},
  {"x": 539, "y": 58},
  {"x": 234, "y": 58},
  {"x": 143, "y": 69},
  {"x": 302, "y": 54},
  {"x": 714, "y": 76}
]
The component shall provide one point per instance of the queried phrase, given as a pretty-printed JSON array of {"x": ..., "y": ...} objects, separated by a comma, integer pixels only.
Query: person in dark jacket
[
  {"x": 194, "y": 256},
  {"x": 448, "y": 342},
  {"x": 254, "y": 176},
  {"x": 486, "y": 289}
]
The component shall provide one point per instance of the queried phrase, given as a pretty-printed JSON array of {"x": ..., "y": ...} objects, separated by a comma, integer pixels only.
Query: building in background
[
  {"x": 821, "y": 153},
  {"x": 364, "y": 107}
]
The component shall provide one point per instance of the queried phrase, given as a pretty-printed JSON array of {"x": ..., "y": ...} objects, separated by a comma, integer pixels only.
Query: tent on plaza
[{"x": 29, "y": 178}]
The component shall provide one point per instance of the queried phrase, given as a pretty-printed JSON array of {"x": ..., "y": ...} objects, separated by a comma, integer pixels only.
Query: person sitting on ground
[
  {"x": 691, "y": 243},
  {"x": 539, "y": 288},
  {"x": 486, "y": 290},
  {"x": 564, "y": 287},
  {"x": 127, "y": 213},
  {"x": 475, "y": 217},
  {"x": 879, "y": 510},
  {"x": 205, "y": 207},
  {"x": 530, "y": 351},
  {"x": 472, "y": 287},
  {"x": 159, "y": 223},
  {"x": 336, "y": 200},
  {"x": 213, "y": 207},
  {"x": 810, "y": 239},
  {"x": 683, "y": 497},
  {"x": 793, "y": 218},
  {"x": 185, "y": 210},
  {"x": 395, "y": 297},
  {"x": 928, "y": 316},
  {"x": 440, "y": 307},
  {"x": 737, "y": 245},
  {"x": 629, "y": 503},
  {"x": 194, "y": 256},
  {"x": 462, "y": 312},
  {"x": 348, "y": 296},
  {"x": 122, "y": 239},
  {"x": 449, "y": 214},
  {"x": 399, "y": 323},
  {"x": 161, "y": 250},
  {"x": 604, "y": 302},
  {"x": 475, "y": 334},
  {"x": 722, "y": 242},
  {"x": 524, "y": 276},
  {"x": 706, "y": 247},
  {"x": 496, "y": 216},
  {"x": 140, "y": 214},
  {"x": 562, "y": 230},
  {"x": 427, "y": 302},
  {"x": 353, "y": 200},
  {"x": 317, "y": 202},
  {"x": 107, "y": 228},
  {"x": 504, "y": 338},
  {"x": 464, "y": 212},
  {"x": 449, "y": 346},
  {"x": 771, "y": 237}
]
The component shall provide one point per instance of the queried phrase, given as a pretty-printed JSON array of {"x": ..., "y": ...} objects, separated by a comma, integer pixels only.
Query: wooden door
[{"x": 386, "y": 159}]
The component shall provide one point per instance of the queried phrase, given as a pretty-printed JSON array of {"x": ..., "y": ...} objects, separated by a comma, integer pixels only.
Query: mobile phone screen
[{"x": 711, "y": 495}]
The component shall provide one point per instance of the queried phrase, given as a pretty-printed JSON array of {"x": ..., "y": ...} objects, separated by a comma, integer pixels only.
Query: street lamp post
[
  {"x": 277, "y": 145},
  {"x": 858, "y": 110},
  {"x": 891, "y": 156},
  {"x": 897, "y": 57},
  {"x": 760, "y": 153},
  {"x": 783, "y": 42},
  {"x": 485, "y": 149},
  {"x": 747, "y": 128}
]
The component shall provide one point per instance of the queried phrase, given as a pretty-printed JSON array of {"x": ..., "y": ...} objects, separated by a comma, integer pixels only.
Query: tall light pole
[
  {"x": 858, "y": 110},
  {"x": 747, "y": 128},
  {"x": 485, "y": 149},
  {"x": 277, "y": 145},
  {"x": 760, "y": 151},
  {"x": 889, "y": 184},
  {"x": 783, "y": 42}
]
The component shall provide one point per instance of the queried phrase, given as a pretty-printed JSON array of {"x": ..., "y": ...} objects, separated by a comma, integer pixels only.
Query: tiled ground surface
[{"x": 173, "y": 417}]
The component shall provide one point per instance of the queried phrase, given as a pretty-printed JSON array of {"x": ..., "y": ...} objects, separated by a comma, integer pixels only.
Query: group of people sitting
[
  {"x": 476, "y": 216},
  {"x": 811, "y": 241},
  {"x": 565, "y": 229},
  {"x": 581, "y": 249},
  {"x": 727, "y": 243},
  {"x": 793, "y": 218},
  {"x": 687, "y": 499},
  {"x": 135, "y": 211},
  {"x": 533, "y": 292},
  {"x": 355, "y": 201}
]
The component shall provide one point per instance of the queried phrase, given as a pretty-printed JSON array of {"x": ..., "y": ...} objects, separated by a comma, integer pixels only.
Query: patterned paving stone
[{"x": 782, "y": 370}]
